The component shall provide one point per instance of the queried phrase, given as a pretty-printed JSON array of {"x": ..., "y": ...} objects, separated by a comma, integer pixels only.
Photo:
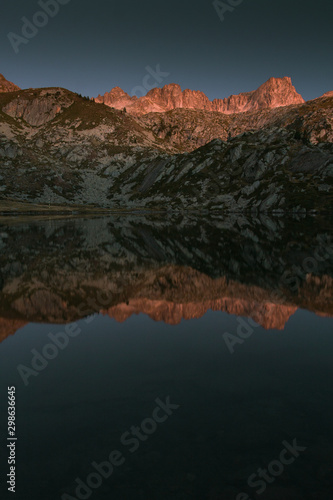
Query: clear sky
[{"x": 90, "y": 47}]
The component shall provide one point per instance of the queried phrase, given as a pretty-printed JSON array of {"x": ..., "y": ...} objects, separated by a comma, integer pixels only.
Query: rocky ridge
[
  {"x": 276, "y": 92},
  {"x": 189, "y": 129}
]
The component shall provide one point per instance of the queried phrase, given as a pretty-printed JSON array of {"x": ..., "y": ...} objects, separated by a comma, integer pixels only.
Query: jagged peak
[
  {"x": 277, "y": 79},
  {"x": 175, "y": 86},
  {"x": 118, "y": 91},
  {"x": 172, "y": 88}
]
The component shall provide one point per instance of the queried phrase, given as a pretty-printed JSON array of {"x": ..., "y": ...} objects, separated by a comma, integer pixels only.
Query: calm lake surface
[{"x": 168, "y": 357}]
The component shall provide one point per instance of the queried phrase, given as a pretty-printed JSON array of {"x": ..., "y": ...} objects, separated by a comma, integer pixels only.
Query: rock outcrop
[
  {"x": 38, "y": 108},
  {"x": 276, "y": 92}
]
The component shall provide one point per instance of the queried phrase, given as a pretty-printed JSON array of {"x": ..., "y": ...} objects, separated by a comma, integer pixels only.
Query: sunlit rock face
[
  {"x": 117, "y": 98},
  {"x": 276, "y": 92},
  {"x": 6, "y": 86}
]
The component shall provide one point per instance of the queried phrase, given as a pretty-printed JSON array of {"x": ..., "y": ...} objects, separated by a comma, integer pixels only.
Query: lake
[{"x": 168, "y": 356}]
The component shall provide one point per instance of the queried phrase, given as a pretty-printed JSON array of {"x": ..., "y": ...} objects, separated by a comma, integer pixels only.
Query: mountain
[
  {"x": 188, "y": 129},
  {"x": 276, "y": 92},
  {"x": 61, "y": 149},
  {"x": 6, "y": 86}
]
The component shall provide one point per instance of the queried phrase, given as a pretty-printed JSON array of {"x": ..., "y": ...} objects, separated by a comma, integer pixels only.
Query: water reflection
[
  {"x": 59, "y": 271},
  {"x": 163, "y": 294}
]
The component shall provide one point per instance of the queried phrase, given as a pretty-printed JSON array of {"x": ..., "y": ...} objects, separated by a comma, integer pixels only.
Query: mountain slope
[
  {"x": 53, "y": 142},
  {"x": 268, "y": 170}
]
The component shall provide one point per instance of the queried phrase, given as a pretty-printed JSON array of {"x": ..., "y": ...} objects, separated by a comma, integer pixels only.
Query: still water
[{"x": 168, "y": 358}]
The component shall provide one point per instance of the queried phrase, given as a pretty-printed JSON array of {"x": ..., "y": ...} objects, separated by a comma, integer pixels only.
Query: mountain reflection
[{"x": 170, "y": 268}]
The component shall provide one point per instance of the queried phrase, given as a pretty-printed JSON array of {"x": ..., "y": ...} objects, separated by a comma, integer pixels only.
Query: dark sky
[{"x": 92, "y": 46}]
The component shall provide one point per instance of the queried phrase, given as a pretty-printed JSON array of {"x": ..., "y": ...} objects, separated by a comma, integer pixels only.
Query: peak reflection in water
[
  {"x": 234, "y": 411},
  {"x": 59, "y": 271}
]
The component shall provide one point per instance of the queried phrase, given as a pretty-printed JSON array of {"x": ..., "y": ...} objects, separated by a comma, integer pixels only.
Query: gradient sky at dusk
[{"x": 90, "y": 47}]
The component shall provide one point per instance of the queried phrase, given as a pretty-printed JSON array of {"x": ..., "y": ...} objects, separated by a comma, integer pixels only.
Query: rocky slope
[
  {"x": 171, "y": 268},
  {"x": 276, "y": 92},
  {"x": 6, "y": 86},
  {"x": 269, "y": 170},
  {"x": 55, "y": 144}
]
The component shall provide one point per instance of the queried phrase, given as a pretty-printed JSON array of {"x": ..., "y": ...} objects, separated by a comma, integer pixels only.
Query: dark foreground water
[{"x": 174, "y": 359}]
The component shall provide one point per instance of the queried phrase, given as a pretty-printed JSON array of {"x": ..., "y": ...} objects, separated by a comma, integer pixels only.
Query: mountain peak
[
  {"x": 274, "y": 93},
  {"x": 286, "y": 79},
  {"x": 278, "y": 84},
  {"x": 118, "y": 90},
  {"x": 116, "y": 98},
  {"x": 6, "y": 86},
  {"x": 171, "y": 89}
]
